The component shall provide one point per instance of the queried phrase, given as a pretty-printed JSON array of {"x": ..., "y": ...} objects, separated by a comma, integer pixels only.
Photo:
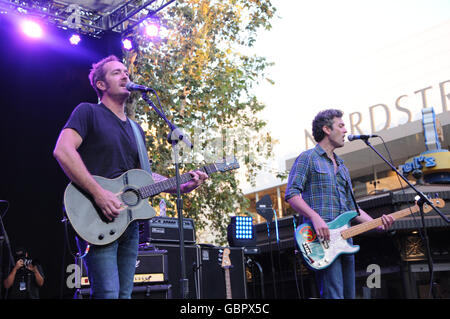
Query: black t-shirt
[
  {"x": 24, "y": 285},
  {"x": 109, "y": 146}
]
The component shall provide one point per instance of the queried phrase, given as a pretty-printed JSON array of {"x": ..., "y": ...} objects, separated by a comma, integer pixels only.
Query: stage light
[
  {"x": 127, "y": 44},
  {"x": 151, "y": 27},
  {"x": 31, "y": 28},
  {"x": 151, "y": 30},
  {"x": 240, "y": 232},
  {"x": 75, "y": 39}
]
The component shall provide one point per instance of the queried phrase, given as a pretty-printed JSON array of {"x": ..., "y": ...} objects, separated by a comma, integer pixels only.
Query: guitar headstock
[
  {"x": 227, "y": 164},
  {"x": 224, "y": 256},
  {"x": 438, "y": 202}
]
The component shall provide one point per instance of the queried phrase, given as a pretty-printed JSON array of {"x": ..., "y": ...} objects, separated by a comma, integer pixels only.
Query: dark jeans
[{"x": 111, "y": 267}]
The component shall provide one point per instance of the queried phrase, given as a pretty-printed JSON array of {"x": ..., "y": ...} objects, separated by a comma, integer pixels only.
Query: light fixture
[
  {"x": 74, "y": 39},
  {"x": 127, "y": 44},
  {"x": 31, "y": 29},
  {"x": 240, "y": 232},
  {"x": 151, "y": 27}
]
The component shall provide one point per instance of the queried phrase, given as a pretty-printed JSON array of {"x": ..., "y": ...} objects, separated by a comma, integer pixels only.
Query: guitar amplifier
[
  {"x": 165, "y": 230},
  {"x": 151, "y": 267}
]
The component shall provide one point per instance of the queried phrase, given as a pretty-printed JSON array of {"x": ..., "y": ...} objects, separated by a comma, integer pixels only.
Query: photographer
[{"x": 26, "y": 277}]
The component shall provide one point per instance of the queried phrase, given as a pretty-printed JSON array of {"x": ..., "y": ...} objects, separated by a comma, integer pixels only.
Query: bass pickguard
[{"x": 318, "y": 253}]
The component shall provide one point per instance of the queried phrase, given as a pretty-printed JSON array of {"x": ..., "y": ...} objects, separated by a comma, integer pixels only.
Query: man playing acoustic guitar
[
  {"x": 319, "y": 188},
  {"x": 98, "y": 139}
]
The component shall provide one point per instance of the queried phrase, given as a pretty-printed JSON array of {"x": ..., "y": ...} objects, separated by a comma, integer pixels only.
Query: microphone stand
[
  {"x": 423, "y": 199},
  {"x": 268, "y": 214},
  {"x": 173, "y": 140},
  {"x": 264, "y": 208}
]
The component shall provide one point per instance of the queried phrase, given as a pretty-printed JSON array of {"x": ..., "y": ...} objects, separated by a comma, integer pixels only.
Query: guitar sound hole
[{"x": 130, "y": 197}]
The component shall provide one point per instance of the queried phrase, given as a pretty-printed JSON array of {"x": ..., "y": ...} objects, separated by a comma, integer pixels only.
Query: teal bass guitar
[{"x": 319, "y": 254}]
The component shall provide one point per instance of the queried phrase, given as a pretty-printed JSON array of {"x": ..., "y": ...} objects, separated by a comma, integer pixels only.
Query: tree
[{"x": 204, "y": 85}]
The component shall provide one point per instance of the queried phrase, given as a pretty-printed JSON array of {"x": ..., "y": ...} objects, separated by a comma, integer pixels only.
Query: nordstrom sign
[{"x": 385, "y": 110}]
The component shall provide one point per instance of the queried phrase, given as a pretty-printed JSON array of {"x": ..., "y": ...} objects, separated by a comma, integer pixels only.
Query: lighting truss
[{"x": 91, "y": 17}]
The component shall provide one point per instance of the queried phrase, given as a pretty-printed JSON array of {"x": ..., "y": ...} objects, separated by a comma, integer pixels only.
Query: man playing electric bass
[
  {"x": 319, "y": 188},
  {"x": 99, "y": 140}
]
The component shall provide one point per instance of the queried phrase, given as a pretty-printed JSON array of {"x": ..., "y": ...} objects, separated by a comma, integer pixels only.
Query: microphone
[
  {"x": 360, "y": 137},
  {"x": 136, "y": 87}
]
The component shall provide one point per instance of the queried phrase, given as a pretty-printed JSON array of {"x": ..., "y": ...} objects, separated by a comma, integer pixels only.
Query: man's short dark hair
[
  {"x": 20, "y": 252},
  {"x": 324, "y": 118},
  {"x": 98, "y": 73}
]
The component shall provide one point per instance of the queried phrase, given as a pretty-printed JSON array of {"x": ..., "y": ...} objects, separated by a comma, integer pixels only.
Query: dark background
[{"x": 42, "y": 80}]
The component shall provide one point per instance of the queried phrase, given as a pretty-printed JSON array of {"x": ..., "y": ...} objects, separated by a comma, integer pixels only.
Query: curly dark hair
[
  {"x": 324, "y": 118},
  {"x": 98, "y": 73}
]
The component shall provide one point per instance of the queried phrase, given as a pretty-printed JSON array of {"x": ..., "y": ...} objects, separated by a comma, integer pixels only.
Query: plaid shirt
[{"x": 312, "y": 176}]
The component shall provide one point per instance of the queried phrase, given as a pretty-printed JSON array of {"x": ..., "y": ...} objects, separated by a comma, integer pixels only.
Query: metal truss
[{"x": 91, "y": 17}]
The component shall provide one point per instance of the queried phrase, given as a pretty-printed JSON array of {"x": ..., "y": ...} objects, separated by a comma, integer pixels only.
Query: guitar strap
[
  {"x": 353, "y": 196},
  {"x": 142, "y": 150},
  {"x": 354, "y": 202}
]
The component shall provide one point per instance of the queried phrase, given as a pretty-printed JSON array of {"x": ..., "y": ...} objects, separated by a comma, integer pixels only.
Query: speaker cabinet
[
  {"x": 212, "y": 273},
  {"x": 148, "y": 291},
  {"x": 152, "y": 292},
  {"x": 151, "y": 267},
  {"x": 192, "y": 262}
]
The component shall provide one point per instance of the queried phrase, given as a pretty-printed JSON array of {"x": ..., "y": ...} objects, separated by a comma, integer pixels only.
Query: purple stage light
[
  {"x": 31, "y": 28},
  {"x": 75, "y": 39},
  {"x": 127, "y": 44},
  {"x": 151, "y": 28}
]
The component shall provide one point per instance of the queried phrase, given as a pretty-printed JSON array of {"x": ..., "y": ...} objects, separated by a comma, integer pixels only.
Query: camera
[{"x": 27, "y": 262}]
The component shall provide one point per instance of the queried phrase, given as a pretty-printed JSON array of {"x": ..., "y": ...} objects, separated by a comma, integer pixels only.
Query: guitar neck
[
  {"x": 171, "y": 183},
  {"x": 228, "y": 283},
  {"x": 364, "y": 227}
]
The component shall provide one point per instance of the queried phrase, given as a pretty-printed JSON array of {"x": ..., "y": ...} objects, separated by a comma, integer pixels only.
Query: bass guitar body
[{"x": 318, "y": 253}]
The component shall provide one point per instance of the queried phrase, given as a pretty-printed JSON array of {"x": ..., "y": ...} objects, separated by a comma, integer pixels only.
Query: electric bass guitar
[
  {"x": 319, "y": 253},
  {"x": 132, "y": 188},
  {"x": 226, "y": 265}
]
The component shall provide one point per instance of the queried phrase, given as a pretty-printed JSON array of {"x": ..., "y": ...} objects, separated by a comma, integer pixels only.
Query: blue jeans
[
  {"x": 337, "y": 281},
  {"x": 111, "y": 267}
]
